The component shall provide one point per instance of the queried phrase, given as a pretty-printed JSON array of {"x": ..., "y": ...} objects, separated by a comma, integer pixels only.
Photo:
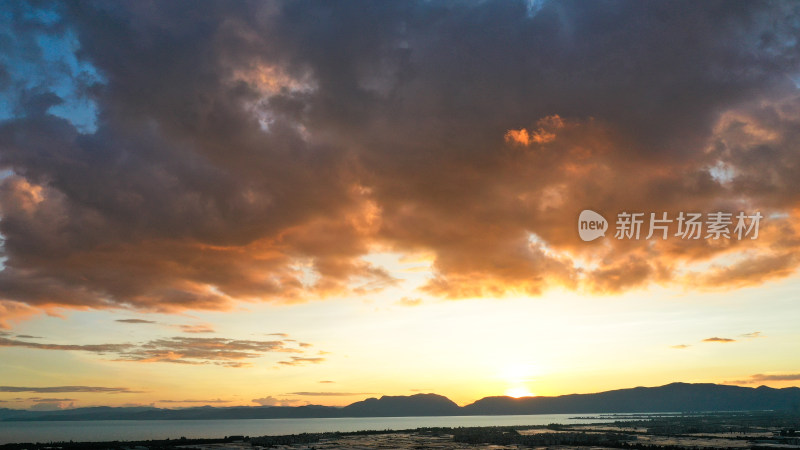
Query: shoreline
[{"x": 707, "y": 431}]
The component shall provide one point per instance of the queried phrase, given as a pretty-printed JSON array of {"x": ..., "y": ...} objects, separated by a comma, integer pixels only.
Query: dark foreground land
[{"x": 701, "y": 431}]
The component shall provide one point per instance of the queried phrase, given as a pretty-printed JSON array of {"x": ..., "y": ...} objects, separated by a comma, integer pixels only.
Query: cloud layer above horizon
[{"x": 160, "y": 156}]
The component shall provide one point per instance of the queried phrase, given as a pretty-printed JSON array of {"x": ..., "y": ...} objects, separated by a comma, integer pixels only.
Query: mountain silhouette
[
  {"x": 675, "y": 397},
  {"x": 402, "y": 406}
]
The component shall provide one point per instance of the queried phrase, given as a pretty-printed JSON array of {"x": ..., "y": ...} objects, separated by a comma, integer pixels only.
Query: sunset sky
[{"x": 292, "y": 202}]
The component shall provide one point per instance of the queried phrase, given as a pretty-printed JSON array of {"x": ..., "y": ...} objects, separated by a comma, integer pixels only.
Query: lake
[{"x": 127, "y": 430}]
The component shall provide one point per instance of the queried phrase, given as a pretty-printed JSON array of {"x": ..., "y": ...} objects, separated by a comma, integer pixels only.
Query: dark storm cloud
[{"x": 241, "y": 145}]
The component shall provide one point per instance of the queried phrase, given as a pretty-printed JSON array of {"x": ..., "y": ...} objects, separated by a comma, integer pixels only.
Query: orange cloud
[
  {"x": 299, "y": 360},
  {"x": 542, "y": 135},
  {"x": 520, "y": 136},
  {"x": 203, "y": 328},
  {"x": 751, "y": 271},
  {"x": 11, "y": 311},
  {"x": 266, "y": 172},
  {"x": 719, "y": 339}
]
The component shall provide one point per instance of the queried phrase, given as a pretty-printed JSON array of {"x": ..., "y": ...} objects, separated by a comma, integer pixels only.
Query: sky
[{"x": 303, "y": 202}]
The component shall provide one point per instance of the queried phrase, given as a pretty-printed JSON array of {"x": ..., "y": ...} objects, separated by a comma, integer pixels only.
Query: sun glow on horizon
[
  {"x": 517, "y": 376},
  {"x": 519, "y": 392}
]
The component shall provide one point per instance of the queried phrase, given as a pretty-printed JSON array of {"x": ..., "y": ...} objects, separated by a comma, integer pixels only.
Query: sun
[
  {"x": 519, "y": 391},
  {"x": 517, "y": 377}
]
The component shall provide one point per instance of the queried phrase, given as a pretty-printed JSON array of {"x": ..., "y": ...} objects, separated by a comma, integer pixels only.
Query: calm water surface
[{"x": 126, "y": 430}]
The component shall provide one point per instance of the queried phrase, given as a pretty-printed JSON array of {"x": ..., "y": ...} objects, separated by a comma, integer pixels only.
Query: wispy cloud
[
  {"x": 754, "y": 334},
  {"x": 186, "y": 328},
  {"x": 219, "y": 351},
  {"x": 722, "y": 340},
  {"x": 181, "y": 350},
  {"x": 299, "y": 360},
  {"x": 408, "y": 301},
  {"x": 203, "y": 328},
  {"x": 95, "y": 348},
  {"x": 62, "y": 389},
  {"x": 273, "y": 401},
  {"x": 331, "y": 394},
  {"x": 775, "y": 377},
  {"x": 760, "y": 378},
  {"x": 208, "y": 402}
]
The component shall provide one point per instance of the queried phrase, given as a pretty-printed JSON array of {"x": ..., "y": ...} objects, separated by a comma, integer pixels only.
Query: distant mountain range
[{"x": 675, "y": 397}]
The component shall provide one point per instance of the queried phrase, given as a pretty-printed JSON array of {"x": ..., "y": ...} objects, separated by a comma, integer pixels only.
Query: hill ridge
[{"x": 673, "y": 397}]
